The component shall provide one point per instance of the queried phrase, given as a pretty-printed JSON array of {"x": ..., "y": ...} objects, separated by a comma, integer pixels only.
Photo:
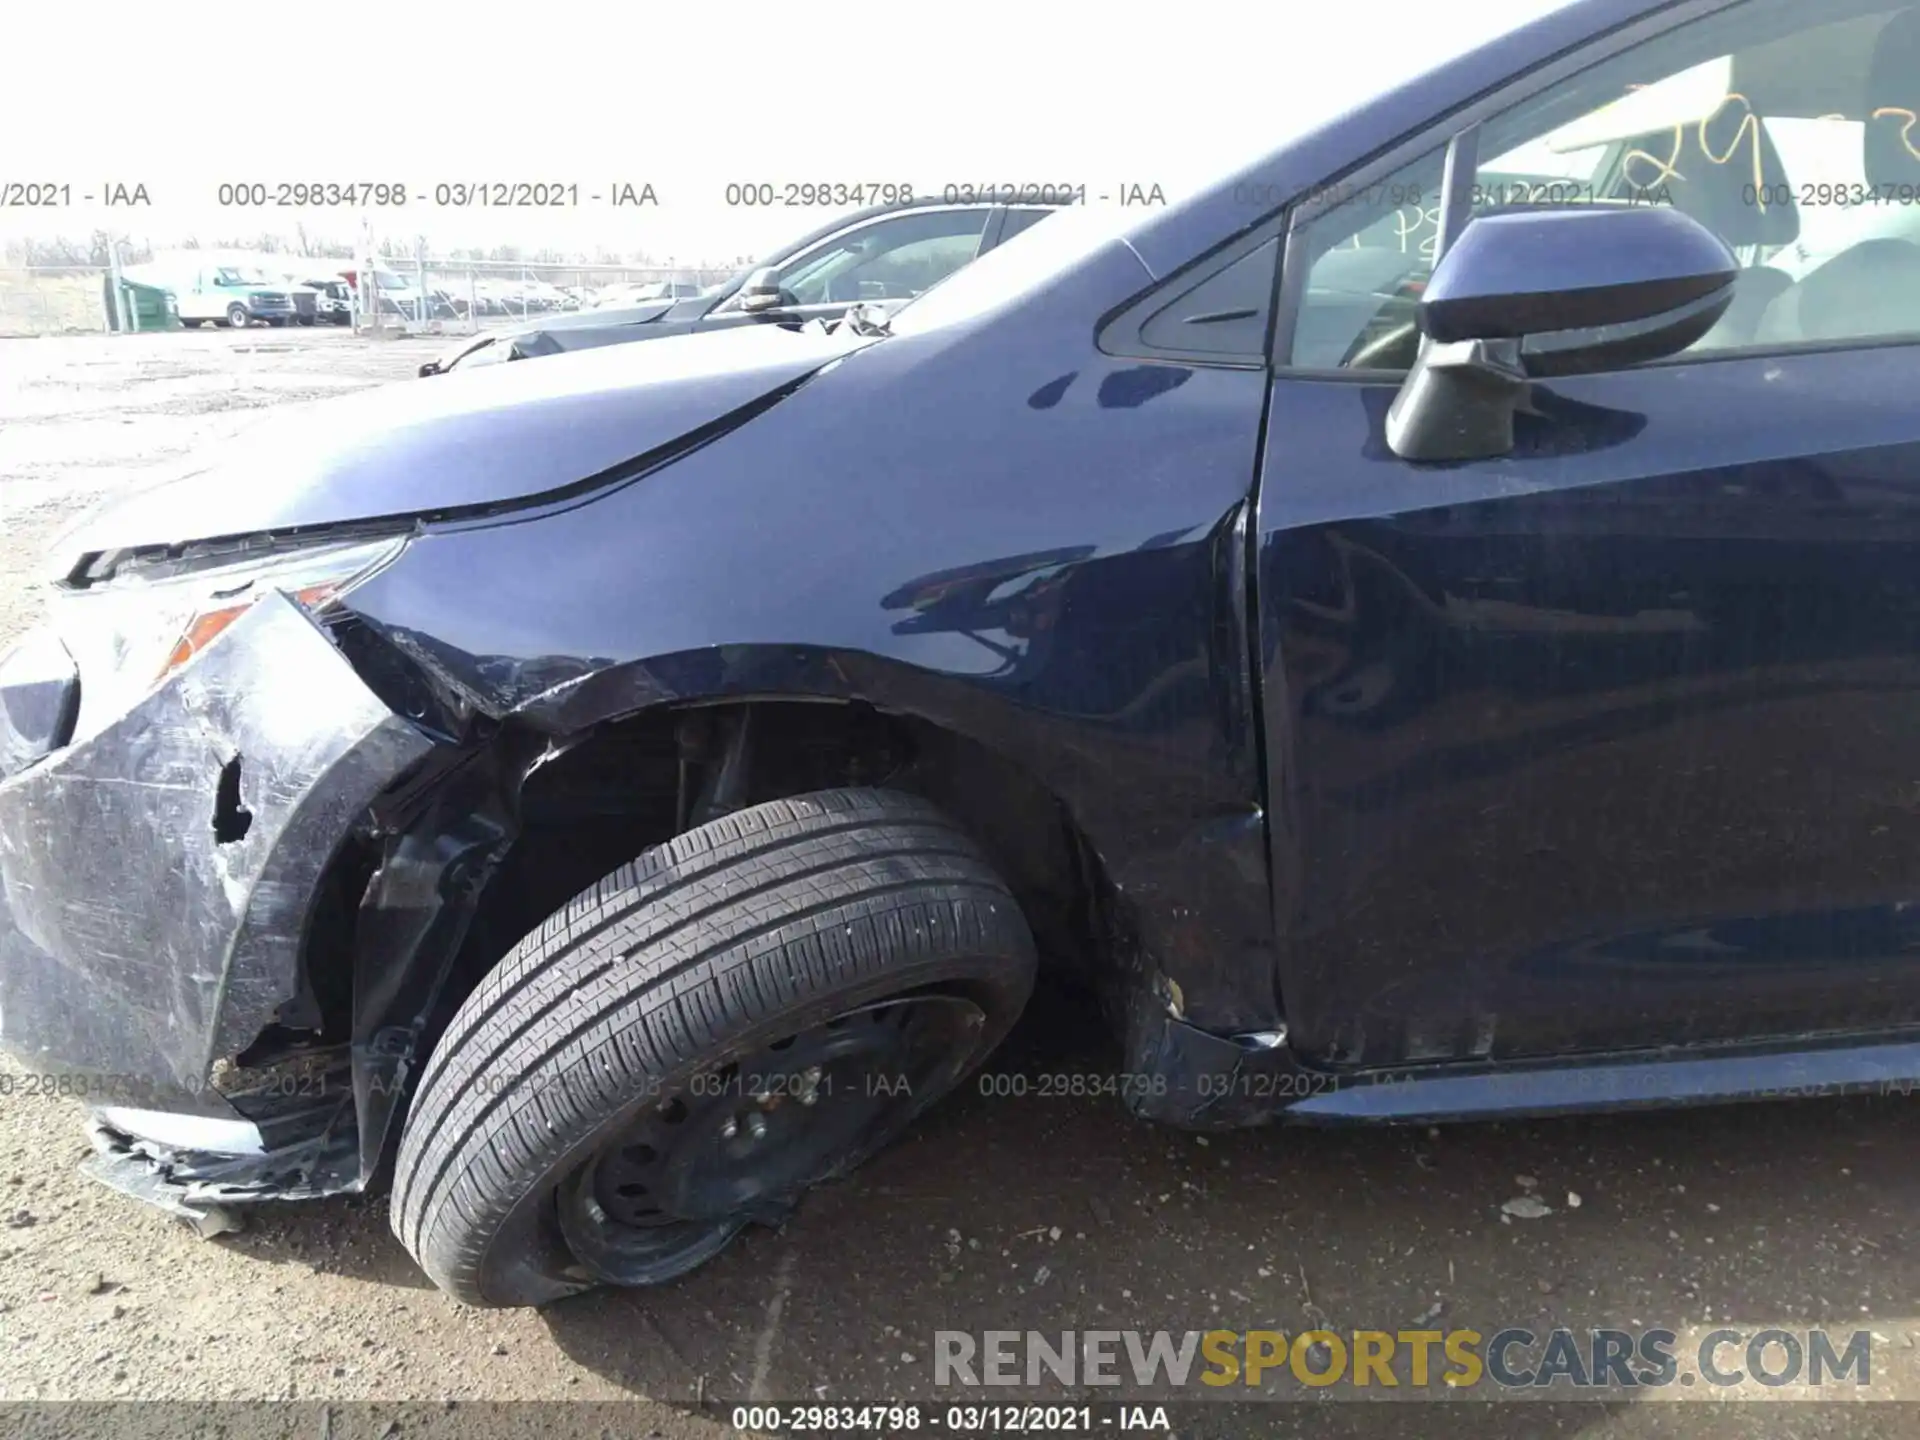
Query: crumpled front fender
[{"x": 143, "y": 963}]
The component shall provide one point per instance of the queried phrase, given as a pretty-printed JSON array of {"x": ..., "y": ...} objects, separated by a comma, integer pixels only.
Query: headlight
[{"x": 129, "y": 634}]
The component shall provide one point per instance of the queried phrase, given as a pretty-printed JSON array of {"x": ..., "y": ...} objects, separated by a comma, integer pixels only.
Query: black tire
[
  {"x": 725, "y": 942},
  {"x": 238, "y": 316}
]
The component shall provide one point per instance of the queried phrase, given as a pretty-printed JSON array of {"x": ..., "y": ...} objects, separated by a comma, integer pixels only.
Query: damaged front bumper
[{"x": 156, "y": 882}]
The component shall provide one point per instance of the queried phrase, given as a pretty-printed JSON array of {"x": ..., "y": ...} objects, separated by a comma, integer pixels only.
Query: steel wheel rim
[{"x": 750, "y": 1133}]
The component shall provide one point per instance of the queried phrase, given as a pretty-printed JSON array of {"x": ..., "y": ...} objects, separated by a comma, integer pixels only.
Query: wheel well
[
  {"x": 588, "y": 807},
  {"x": 636, "y": 783},
  {"x": 591, "y": 806}
]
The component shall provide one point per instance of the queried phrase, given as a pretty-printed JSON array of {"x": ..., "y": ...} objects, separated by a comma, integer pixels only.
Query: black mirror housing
[
  {"x": 762, "y": 291},
  {"x": 1529, "y": 271},
  {"x": 1536, "y": 292}
]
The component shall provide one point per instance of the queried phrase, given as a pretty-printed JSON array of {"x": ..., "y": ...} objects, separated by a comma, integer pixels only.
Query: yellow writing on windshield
[
  {"x": 1894, "y": 112},
  {"x": 1746, "y": 146},
  {"x": 1746, "y": 134},
  {"x": 1645, "y": 173}
]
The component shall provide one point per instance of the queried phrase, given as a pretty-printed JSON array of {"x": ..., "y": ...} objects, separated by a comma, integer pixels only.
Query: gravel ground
[{"x": 997, "y": 1213}]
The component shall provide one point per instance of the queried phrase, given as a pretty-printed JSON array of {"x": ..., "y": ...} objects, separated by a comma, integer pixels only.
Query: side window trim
[
  {"x": 1457, "y": 169},
  {"x": 1120, "y": 335},
  {"x": 1437, "y": 134},
  {"x": 1457, "y": 174},
  {"x": 990, "y": 236}
]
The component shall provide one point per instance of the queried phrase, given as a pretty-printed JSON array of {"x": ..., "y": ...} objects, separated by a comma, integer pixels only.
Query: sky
[{"x": 687, "y": 99}]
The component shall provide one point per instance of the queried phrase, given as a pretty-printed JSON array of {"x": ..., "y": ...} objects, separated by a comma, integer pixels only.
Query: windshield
[
  {"x": 808, "y": 282},
  {"x": 387, "y": 280},
  {"x": 1024, "y": 263},
  {"x": 893, "y": 258},
  {"x": 238, "y": 275}
]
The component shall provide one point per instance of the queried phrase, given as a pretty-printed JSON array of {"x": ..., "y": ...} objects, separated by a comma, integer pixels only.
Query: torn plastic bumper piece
[
  {"x": 117, "y": 1163},
  {"x": 155, "y": 878}
]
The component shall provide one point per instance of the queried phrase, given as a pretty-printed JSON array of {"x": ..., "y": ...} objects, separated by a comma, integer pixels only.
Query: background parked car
[
  {"x": 645, "y": 291},
  {"x": 333, "y": 302},
  {"x": 512, "y": 297},
  {"x": 396, "y": 297},
  {"x": 542, "y": 296},
  {"x": 885, "y": 255}
]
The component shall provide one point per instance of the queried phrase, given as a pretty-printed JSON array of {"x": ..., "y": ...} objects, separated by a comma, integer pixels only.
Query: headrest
[
  {"x": 1893, "y": 104},
  {"x": 1714, "y": 177}
]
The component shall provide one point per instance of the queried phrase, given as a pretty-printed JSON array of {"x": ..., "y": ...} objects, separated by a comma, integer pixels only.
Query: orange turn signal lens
[
  {"x": 198, "y": 635},
  {"x": 204, "y": 627}
]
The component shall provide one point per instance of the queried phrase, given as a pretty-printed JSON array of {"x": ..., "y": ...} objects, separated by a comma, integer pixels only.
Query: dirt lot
[{"x": 998, "y": 1213}]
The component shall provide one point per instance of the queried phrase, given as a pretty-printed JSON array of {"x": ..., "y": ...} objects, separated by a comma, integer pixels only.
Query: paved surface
[{"x": 1014, "y": 1213}]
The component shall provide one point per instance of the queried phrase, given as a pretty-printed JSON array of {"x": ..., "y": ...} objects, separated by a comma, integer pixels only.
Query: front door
[{"x": 1614, "y": 742}]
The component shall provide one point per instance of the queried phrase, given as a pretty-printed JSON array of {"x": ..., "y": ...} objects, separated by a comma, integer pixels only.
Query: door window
[{"x": 1788, "y": 130}]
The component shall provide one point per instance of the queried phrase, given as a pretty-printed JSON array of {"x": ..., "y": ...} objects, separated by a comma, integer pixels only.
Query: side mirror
[
  {"x": 1527, "y": 294},
  {"x": 762, "y": 291}
]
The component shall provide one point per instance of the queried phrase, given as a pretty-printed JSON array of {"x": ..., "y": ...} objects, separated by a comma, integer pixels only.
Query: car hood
[
  {"x": 498, "y": 435},
  {"x": 564, "y": 320},
  {"x": 612, "y": 315}
]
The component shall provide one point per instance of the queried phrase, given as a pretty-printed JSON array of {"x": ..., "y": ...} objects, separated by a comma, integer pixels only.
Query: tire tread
[{"x": 664, "y": 960}]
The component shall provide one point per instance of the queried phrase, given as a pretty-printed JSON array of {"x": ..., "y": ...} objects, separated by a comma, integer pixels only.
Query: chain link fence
[
  {"x": 53, "y": 300},
  {"x": 457, "y": 297},
  {"x": 419, "y": 295}
]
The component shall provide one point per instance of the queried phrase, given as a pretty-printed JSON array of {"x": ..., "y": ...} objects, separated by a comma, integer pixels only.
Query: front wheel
[
  {"x": 736, "y": 1016},
  {"x": 237, "y": 316}
]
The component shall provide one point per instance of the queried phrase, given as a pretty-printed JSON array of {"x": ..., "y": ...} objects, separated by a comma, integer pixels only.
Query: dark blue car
[{"x": 1427, "y": 627}]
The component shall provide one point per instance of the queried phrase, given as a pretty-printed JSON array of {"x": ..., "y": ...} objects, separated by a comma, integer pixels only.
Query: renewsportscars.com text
[{"x": 1510, "y": 1359}]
